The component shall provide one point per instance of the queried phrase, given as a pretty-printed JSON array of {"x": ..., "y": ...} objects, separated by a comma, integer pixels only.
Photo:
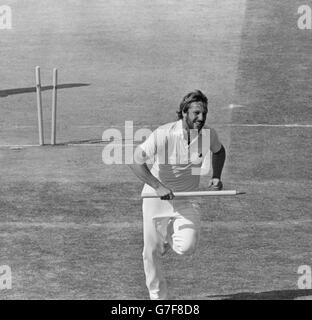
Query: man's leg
[
  {"x": 185, "y": 229},
  {"x": 155, "y": 280},
  {"x": 163, "y": 228}
]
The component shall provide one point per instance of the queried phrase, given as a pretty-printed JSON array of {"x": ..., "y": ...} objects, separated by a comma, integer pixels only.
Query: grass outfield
[
  {"x": 66, "y": 234},
  {"x": 71, "y": 227}
]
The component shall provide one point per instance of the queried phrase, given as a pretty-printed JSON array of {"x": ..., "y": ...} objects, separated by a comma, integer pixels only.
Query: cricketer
[{"x": 178, "y": 152}]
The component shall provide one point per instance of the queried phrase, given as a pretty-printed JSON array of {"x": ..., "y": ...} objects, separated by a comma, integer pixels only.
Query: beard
[{"x": 196, "y": 125}]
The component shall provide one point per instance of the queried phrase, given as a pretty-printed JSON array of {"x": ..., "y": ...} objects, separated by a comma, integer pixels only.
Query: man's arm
[
  {"x": 142, "y": 171},
  {"x": 218, "y": 159}
]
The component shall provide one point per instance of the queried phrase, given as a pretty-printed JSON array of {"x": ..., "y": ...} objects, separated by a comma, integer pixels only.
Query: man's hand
[
  {"x": 164, "y": 193},
  {"x": 215, "y": 184}
]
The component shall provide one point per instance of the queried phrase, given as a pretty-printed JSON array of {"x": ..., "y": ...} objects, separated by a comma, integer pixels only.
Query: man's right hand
[
  {"x": 164, "y": 193},
  {"x": 142, "y": 172}
]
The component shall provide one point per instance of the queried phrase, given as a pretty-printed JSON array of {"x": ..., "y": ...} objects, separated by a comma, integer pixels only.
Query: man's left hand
[{"x": 215, "y": 184}]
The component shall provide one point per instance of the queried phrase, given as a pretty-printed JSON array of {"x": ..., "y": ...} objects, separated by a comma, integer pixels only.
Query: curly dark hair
[{"x": 194, "y": 96}]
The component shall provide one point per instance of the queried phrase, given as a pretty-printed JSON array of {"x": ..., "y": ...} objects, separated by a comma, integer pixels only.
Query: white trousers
[{"x": 182, "y": 234}]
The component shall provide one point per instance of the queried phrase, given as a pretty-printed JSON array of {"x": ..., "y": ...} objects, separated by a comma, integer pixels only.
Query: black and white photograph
[{"x": 156, "y": 150}]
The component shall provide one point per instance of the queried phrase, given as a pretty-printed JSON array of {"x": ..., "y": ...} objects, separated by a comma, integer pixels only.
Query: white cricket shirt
[{"x": 175, "y": 163}]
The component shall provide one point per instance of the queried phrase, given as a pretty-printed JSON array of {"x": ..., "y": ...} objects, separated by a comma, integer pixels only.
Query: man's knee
[{"x": 185, "y": 247}]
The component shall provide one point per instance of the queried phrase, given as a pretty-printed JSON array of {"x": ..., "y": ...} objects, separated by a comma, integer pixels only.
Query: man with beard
[{"x": 179, "y": 153}]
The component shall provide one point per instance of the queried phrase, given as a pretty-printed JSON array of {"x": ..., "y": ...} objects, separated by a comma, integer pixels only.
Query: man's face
[{"x": 196, "y": 115}]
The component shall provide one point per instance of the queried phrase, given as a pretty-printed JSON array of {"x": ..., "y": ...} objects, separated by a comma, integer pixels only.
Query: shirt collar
[{"x": 178, "y": 130}]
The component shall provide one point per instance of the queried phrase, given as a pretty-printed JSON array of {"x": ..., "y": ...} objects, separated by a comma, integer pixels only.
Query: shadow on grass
[
  {"x": 98, "y": 141},
  {"x": 86, "y": 141},
  {"x": 9, "y": 92},
  {"x": 267, "y": 295}
]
